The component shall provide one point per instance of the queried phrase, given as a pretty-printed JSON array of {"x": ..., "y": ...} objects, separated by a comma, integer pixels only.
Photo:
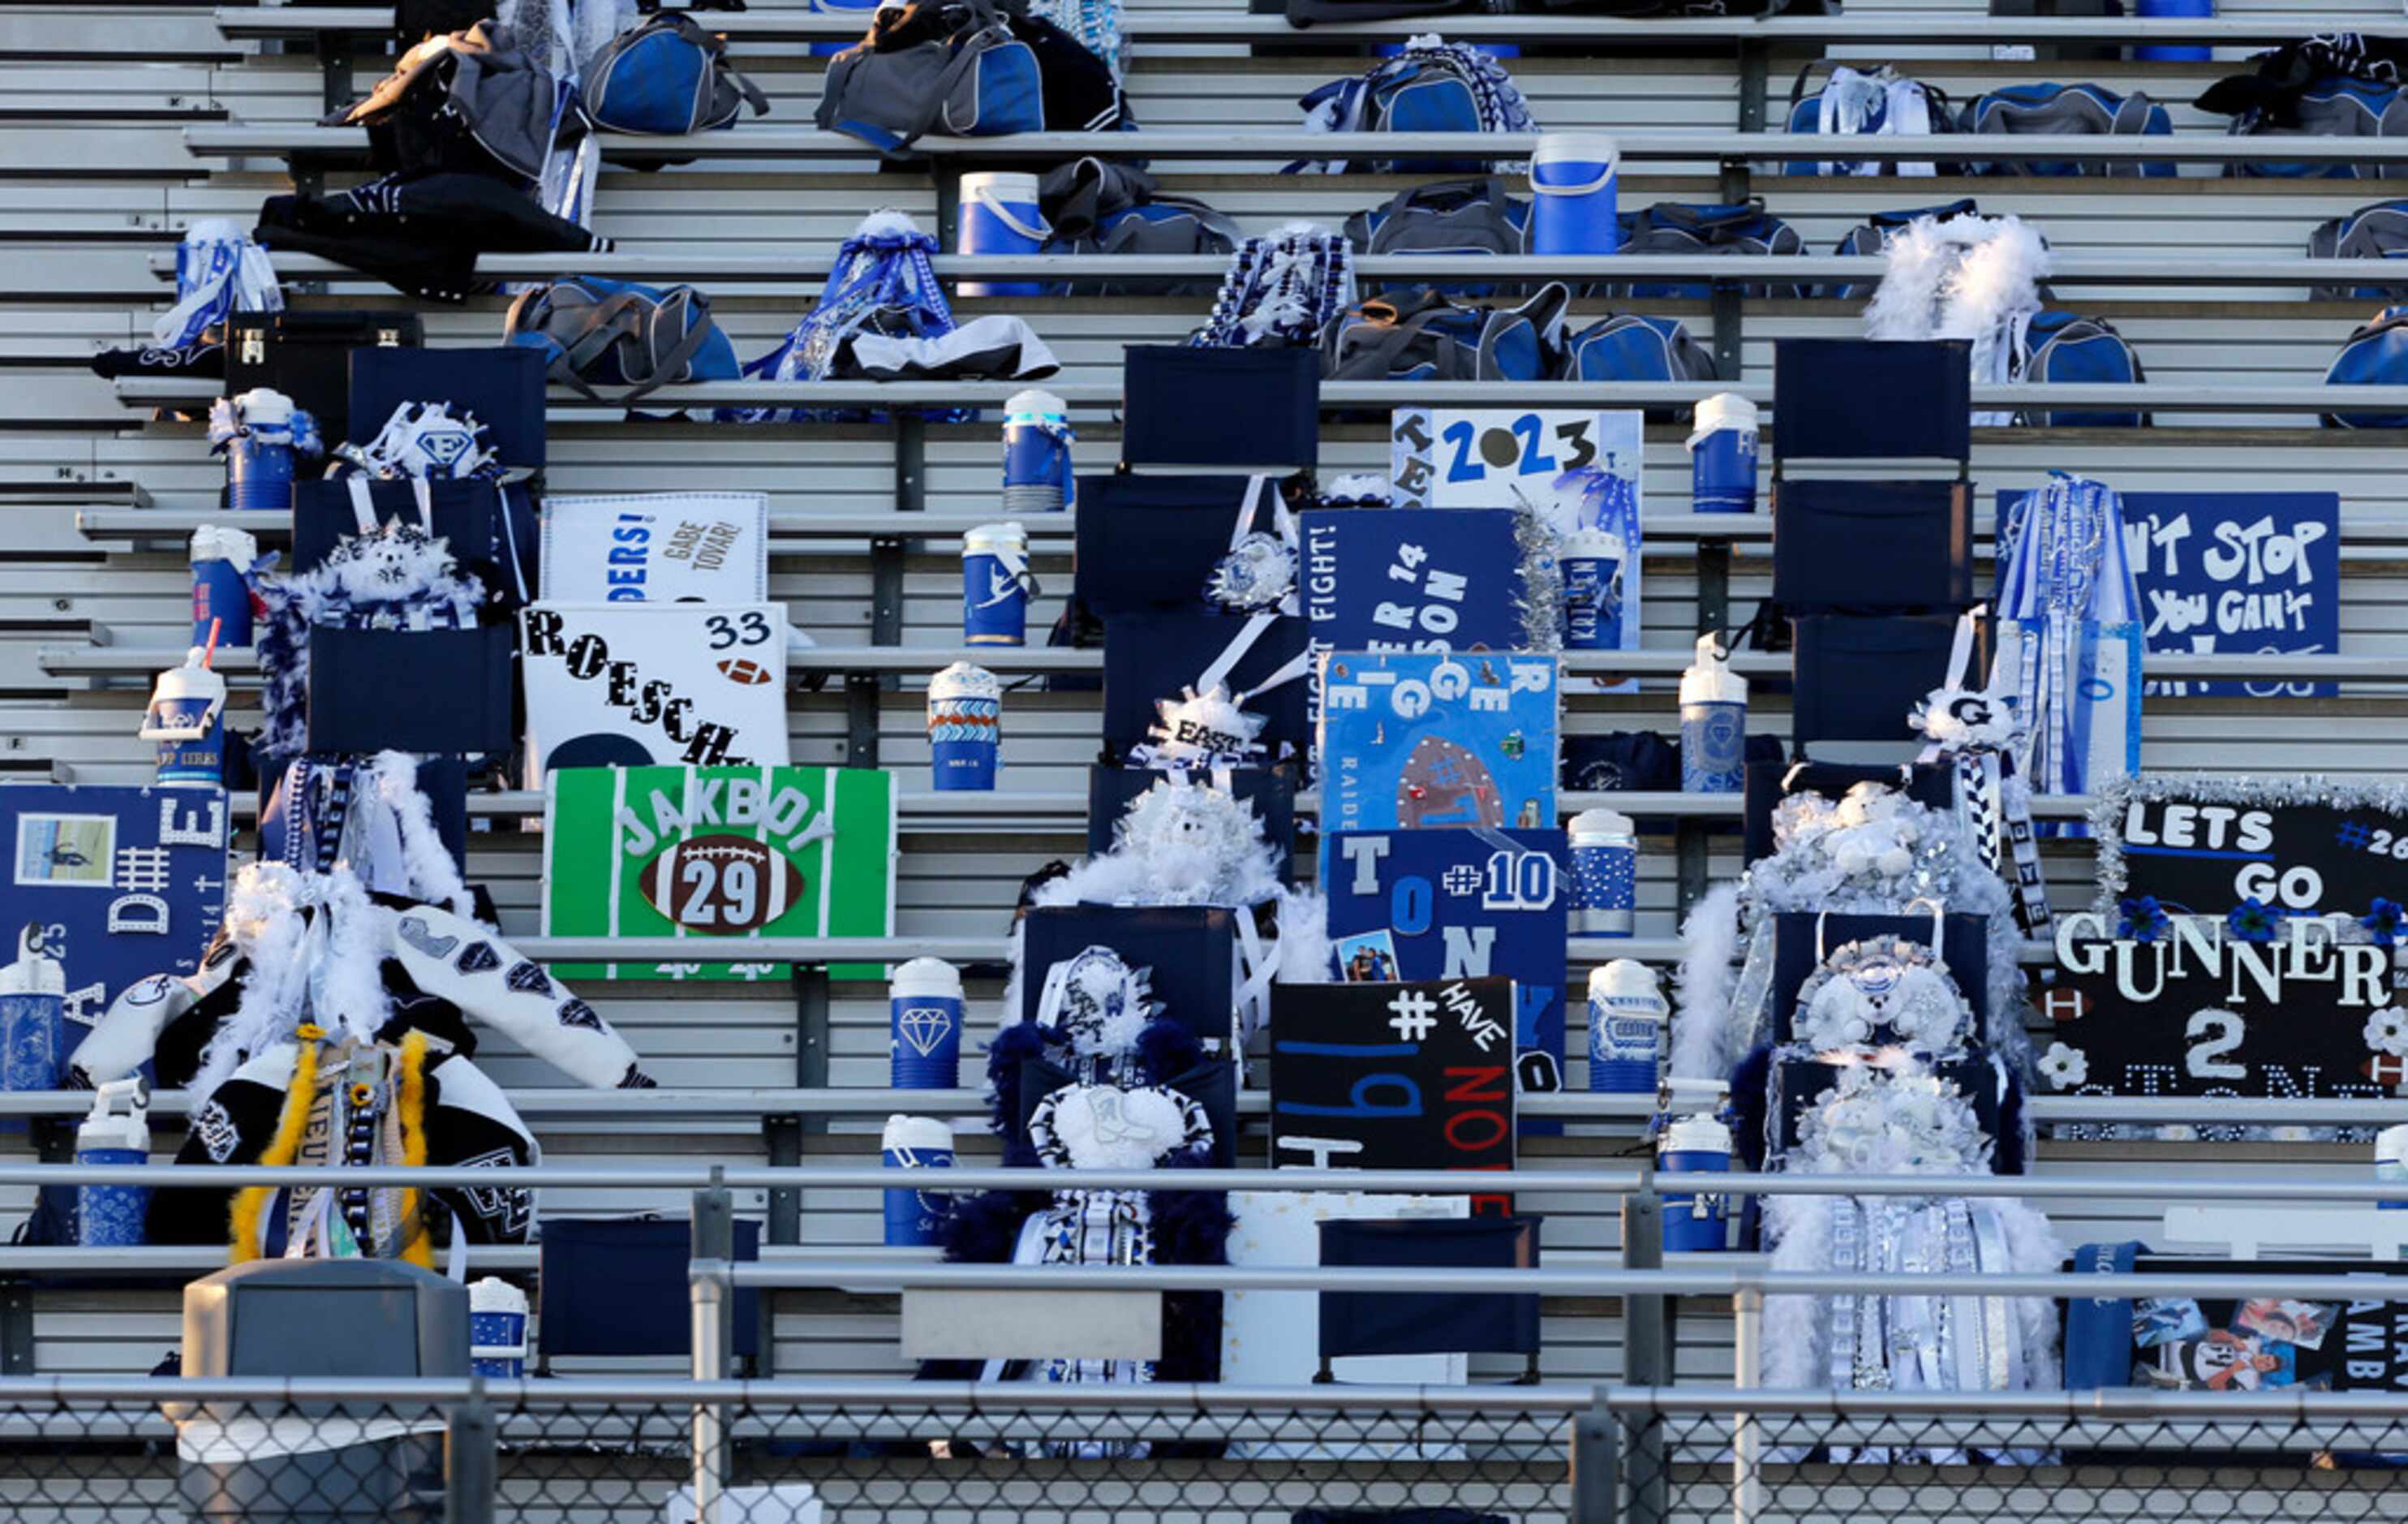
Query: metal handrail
[
  {"x": 919, "y": 661},
  {"x": 299, "y": 22},
  {"x": 239, "y": 139},
  {"x": 2153, "y": 396},
  {"x": 1404, "y": 1182},
  {"x": 721, "y": 263}
]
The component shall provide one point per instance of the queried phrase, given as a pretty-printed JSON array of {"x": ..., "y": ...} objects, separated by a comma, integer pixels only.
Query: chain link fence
[{"x": 905, "y": 1453}]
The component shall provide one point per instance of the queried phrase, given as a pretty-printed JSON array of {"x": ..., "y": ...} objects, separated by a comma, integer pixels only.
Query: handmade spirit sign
[
  {"x": 627, "y": 684},
  {"x": 2199, "y": 1009},
  {"x": 1459, "y": 903},
  {"x": 714, "y": 853},
  {"x": 1396, "y": 1076},
  {"x": 2265, "y": 1344},
  {"x": 1419, "y": 740},
  {"x": 1503, "y": 457},
  {"x": 2205, "y": 845},
  {"x": 2249, "y": 571},
  {"x": 657, "y": 547},
  {"x": 122, "y": 883}
]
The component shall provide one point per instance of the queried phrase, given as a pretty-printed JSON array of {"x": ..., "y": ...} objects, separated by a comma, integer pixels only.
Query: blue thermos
[
  {"x": 1574, "y": 206},
  {"x": 33, "y": 1017},
  {"x": 915, "y": 1219},
  {"x": 997, "y": 585},
  {"x": 1604, "y": 848},
  {"x": 1714, "y": 723},
  {"x": 1592, "y": 562},
  {"x": 923, "y": 1043},
  {"x": 1695, "y": 1221},
  {"x": 260, "y": 432},
  {"x": 497, "y": 1330},
  {"x": 999, "y": 215},
  {"x": 111, "y": 1217},
  {"x": 1037, "y": 439},
  {"x": 965, "y": 728},
  {"x": 1628, "y": 1017},
  {"x": 1722, "y": 455}
]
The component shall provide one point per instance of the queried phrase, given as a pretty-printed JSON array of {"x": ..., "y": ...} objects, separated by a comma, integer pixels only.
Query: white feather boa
[
  {"x": 315, "y": 949},
  {"x": 1970, "y": 277},
  {"x": 426, "y": 864}
]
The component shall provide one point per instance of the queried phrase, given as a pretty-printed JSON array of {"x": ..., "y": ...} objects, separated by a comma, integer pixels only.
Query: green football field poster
[{"x": 714, "y": 853}]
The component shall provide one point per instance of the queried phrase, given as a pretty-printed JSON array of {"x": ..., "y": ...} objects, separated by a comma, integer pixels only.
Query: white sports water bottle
[
  {"x": 1628, "y": 1015},
  {"x": 1714, "y": 723}
]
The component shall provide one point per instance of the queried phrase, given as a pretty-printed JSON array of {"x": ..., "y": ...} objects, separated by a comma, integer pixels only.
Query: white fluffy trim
[{"x": 1701, "y": 1043}]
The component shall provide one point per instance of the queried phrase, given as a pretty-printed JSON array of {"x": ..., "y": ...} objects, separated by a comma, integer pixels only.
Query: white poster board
[
  {"x": 629, "y": 685},
  {"x": 657, "y": 547}
]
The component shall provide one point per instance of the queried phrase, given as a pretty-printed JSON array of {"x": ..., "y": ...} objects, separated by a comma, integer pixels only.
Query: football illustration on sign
[
  {"x": 1446, "y": 784},
  {"x": 746, "y": 670},
  {"x": 726, "y": 886}
]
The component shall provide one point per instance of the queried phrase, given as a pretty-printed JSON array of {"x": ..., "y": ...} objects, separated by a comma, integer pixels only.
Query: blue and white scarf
[
  {"x": 2066, "y": 587},
  {"x": 1281, "y": 290},
  {"x": 218, "y": 271},
  {"x": 882, "y": 267},
  {"x": 1346, "y": 105}
]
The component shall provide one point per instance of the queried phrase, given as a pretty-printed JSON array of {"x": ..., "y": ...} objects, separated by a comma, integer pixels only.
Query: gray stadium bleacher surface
[{"x": 2204, "y": 275}]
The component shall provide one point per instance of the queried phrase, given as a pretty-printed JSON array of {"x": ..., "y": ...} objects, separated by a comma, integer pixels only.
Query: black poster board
[
  {"x": 1393, "y": 1076},
  {"x": 2200, "y": 846},
  {"x": 2182, "y": 1343}
]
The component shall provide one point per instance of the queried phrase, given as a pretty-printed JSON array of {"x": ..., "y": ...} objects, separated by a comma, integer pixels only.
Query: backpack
[
  {"x": 666, "y": 79},
  {"x": 1870, "y": 237},
  {"x": 1445, "y": 217},
  {"x": 2066, "y": 109},
  {"x": 1427, "y": 337},
  {"x": 1626, "y": 347},
  {"x": 2376, "y": 232},
  {"x": 617, "y": 334},
  {"x": 1862, "y": 104},
  {"x": 1431, "y": 86},
  {"x": 1742, "y": 228},
  {"x": 967, "y": 68},
  {"x": 2329, "y": 108},
  {"x": 2376, "y": 354},
  {"x": 1098, "y": 207},
  {"x": 1093, "y": 24},
  {"x": 2061, "y": 348}
]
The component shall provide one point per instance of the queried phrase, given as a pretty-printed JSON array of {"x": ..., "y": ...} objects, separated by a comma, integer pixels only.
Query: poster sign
[
  {"x": 633, "y": 684},
  {"x": 1411, "y": 740},
  {"x": 2266, "y": 1344},
  {"x": 2248, "y": 571},
  {"x": 713, "y": 853},
  {"x": 2201, "y": 846},
  {"x": 2199, "y": 1010},
  {"x": 1443, "y": 580},
  {"x": 657, "y": 547},
  {"x": 1397, "y": 1076},
  {"x": 1451, "y": 905},
  {"x": 1503, "y": 457},
  {"x": 125, "y": 883}
]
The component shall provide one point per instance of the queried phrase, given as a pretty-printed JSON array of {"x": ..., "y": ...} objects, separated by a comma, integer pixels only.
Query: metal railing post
[
  {"x": 714, "y": 1253},
  {"x": 1646, "y": 1354},
  {"x": 470, "y": 1475},
  {"x": 1747, "y": 1436},
  {"x": 1596, "y": 1465}
]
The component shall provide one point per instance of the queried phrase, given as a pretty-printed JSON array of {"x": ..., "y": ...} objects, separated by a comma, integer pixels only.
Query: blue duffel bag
[
  {"x": 2375, "y": 355},
  {"x": 666, "y": 79}
]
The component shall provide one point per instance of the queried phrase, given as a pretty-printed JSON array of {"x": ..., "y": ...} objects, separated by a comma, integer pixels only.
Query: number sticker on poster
[
  {"x": 657, "y": 547},
  {"x": 717, "y": 852},
  {"x": 1491, "y": 457},
  {"x": 125, "y": 883},
  {"x": 1459, "y": 903},
  {"x": 1401, "y": 1076},
  {"x": 632, "y": 684}
]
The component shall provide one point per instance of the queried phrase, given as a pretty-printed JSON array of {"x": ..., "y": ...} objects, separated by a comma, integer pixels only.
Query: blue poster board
[
  {"x": 1412, "y": 740},
  {"x": 1411, "y": 579},
  {"x": 125, "y": 883},
  {"x": 1459, "y": 903},
  {"x": 2238, "y": 571}
]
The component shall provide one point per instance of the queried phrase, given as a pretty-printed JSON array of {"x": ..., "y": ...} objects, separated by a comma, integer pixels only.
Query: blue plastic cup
[
  {"x": 1723, "y": 454},
  {"x": 1695, "y": 1222},
  {"x": 222, "y": 585},
  {"x": 259, "y": 474},
  {"x": 2174, "y": 8},
  {"x": 111, "y": 1217},
  {"x": 965, "y": 728},
  {"x": 497, "y": 1330},
  {"x": 999, "y": 215},
  {"x": 1591, "y": 560},
  {"x": 1036, "y": 472},
  {"x": 995, "y": 585},
  {"x": 1603, "y": 847},
  {"x": 187, "y": 719},
  {"x": 33, "y": 1029},
  {"x": 916, "y": 1218},
  {"x": 924, "y": 1013},
  {"x": 1572, "y": 196}
]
